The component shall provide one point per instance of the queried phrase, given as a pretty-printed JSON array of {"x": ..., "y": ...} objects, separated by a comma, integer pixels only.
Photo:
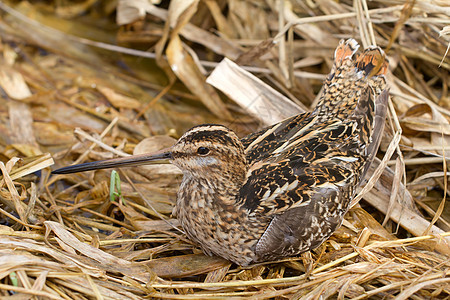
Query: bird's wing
[
  {"x": 305, "y": 184},
  {"x": 259, "y": 145},
  {"x": 320, "y": 154},
  {"x": 305, "y": 196},
  {"x": 306, "y": 226}
]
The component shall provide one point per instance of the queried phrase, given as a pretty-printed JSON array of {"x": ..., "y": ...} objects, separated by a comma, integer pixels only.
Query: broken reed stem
[
  {"x": 376, "y": 244},
  {"x": 420, "y": 161},
  {"x": 98, "y": 142},
  {"x": 92, "y": 146},
  {"x": 335, "y": 17}
]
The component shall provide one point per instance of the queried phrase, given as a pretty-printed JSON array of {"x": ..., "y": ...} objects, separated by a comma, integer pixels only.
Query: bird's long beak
[{"x": 159, "y": 157}]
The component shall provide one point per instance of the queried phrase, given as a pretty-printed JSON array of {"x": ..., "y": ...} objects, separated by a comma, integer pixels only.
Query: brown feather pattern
[{"x": 285, "y": 189}]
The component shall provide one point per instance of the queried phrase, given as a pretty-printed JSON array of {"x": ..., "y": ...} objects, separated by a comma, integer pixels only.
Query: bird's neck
[
  {"x": 213, "y": 190},
  {"x": 221, "y": 185},
  {"x": 208, "y": 209}
]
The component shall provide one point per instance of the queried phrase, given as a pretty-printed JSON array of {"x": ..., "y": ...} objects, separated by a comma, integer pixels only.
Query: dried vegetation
[{"x": 78, "y": 87}]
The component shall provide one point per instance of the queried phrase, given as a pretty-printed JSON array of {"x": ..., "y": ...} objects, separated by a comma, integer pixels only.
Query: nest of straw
[{"x": 110, "y": 235}]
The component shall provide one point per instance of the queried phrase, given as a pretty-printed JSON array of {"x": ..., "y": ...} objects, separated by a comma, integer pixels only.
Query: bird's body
[{"x": 285, "y": 189}]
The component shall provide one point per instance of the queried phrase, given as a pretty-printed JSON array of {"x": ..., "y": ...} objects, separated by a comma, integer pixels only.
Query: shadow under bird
[{"x": 285, "y": 189}]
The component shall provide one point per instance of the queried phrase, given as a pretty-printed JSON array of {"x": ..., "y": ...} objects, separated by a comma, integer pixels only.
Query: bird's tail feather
[{"x": 373, "y": 62}]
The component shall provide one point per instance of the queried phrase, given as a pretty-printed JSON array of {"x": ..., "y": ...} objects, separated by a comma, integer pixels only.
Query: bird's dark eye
[{"x": 202, "y": 150}]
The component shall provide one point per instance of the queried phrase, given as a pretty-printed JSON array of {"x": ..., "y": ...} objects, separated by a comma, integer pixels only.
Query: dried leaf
[
  {"x": 185, "y": 265},
  {"x": 184, "y": 67},
  {"x": 118, "y": 100},
  {"x": 253, "y": 95},
  {"x": 129, "y": 11},
  {"x": 107, "y": 260}
]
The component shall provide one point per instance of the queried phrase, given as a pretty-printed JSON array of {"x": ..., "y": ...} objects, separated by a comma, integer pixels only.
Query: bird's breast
[{"x": 212, "y": 220}]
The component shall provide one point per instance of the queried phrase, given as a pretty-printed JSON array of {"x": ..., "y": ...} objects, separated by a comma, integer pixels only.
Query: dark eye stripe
[{"x": 177, "y": 154}]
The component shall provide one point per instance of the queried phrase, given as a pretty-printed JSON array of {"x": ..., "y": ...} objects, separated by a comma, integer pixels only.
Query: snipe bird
[{"x": 285, "y": 189}]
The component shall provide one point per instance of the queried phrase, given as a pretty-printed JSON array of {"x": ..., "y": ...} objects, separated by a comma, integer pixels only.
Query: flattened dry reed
[{"x": 72, "y": 237}]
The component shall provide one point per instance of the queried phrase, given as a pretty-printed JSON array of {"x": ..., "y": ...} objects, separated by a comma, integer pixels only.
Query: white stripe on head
[{"x": 205, "y": 127}]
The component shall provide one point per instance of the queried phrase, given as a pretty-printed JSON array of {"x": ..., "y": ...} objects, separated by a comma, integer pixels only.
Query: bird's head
[
  {"x": 207, "y": 149},
  {"x": 203, "y": 151}
]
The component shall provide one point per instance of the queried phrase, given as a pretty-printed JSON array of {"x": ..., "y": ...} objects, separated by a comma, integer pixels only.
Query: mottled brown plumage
[{"x": 285, "y": 189}]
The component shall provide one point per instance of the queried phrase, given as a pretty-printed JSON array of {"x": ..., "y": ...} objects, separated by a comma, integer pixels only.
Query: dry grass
[{"x": 77, "y": 87}]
